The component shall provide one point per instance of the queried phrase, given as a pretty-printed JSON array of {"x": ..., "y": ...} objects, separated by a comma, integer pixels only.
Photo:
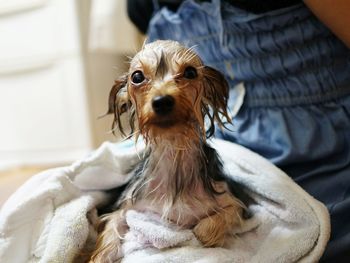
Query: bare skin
[{"x": 335, "y": 15}]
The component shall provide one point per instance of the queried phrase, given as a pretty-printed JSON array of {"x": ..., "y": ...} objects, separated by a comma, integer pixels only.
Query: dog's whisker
[
  {"x": 162, "y": 197},
  {"x": 154, "y": 189},
  {"x": 192, "y": 48},
  {"x": 129, "y": 58},
  {"x": 189, "y": 54},
  {"x": 144, "y": 43},
  {"x": 139, "y": 188}
]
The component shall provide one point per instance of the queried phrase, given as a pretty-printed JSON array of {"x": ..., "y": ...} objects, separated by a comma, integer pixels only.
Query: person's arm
[{"x": 335, "y": 14}]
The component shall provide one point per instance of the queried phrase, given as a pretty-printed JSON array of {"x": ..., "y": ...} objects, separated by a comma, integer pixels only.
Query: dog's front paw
[{"x": 210, "y": 232}]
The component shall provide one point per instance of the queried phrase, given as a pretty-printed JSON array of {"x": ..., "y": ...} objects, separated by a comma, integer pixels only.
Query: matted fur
[
  {"x": 211, "y": 95},
  {"x": 180, "y": 178}
]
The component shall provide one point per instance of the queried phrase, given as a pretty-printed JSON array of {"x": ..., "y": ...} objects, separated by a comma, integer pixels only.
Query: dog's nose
[{"x": 163, "y": 105}]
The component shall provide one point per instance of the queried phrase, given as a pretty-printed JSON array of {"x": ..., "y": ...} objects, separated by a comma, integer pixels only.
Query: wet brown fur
[{"x": 174, "y": 182}]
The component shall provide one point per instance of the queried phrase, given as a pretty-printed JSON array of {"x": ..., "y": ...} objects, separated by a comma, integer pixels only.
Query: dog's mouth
[
  {"x": 170, "y": 128},
  {"x": 172, "y": 120}
]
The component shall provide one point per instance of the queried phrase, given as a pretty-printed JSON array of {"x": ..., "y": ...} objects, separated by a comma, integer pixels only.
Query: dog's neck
[
  {"x": 178, "y": 181},
  {"x": 175, "y": 166},
  {"x": 178, "y": 177}
]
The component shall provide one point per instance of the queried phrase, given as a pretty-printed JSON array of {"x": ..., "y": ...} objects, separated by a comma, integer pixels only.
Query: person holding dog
[{"x": 288, "y": 66}]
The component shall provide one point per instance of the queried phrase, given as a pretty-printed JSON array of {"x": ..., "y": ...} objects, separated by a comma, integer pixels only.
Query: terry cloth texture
[{"x": 49, "y": 218}]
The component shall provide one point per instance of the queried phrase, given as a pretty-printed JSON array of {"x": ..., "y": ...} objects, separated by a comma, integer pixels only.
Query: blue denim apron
[{"x": 296, "y": 109}]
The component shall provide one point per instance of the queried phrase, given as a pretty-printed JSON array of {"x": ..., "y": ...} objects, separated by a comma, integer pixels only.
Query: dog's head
[{"x": 169, "y": 92}]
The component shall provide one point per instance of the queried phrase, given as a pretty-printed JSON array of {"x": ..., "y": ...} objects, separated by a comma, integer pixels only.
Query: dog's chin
[
  {"x": 164, "y": 124},
  {"x": 169, "y": 130}
]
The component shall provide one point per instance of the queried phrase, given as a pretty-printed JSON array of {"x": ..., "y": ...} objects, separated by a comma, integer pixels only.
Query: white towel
[{"x": 47, "y": 219}]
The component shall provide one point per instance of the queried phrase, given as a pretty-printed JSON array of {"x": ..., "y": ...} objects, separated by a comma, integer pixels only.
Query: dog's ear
[
  {"x": 119, "y": 103},
  {"x": 214, "y": 103}
]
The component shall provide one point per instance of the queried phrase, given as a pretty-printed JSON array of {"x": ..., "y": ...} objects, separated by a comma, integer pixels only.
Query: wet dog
[{"x": 172, "y": 100}]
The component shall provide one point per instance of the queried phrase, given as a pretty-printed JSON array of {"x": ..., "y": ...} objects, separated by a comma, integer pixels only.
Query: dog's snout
[{"x": 163, "y": 105}]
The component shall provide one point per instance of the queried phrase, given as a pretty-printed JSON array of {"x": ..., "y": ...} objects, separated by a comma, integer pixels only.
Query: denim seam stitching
[
  {"x": 298, "y": 100},
  {"x": 280, "y": 53},
  {"x": 226, "y": 23}
]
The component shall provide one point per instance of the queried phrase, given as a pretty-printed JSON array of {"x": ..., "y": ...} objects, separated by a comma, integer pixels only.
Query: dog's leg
[
  {"x": 212, "y": 230},
  {"x": 108, "y": 247}
]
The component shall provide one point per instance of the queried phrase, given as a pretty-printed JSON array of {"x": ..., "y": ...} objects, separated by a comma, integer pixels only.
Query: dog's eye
[
  {"x": 190, "y": 73},
  {"x": 137, "y": 77}
]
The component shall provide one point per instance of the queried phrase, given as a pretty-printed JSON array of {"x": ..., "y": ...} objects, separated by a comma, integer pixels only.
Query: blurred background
[{"x": 58, "y": 61}]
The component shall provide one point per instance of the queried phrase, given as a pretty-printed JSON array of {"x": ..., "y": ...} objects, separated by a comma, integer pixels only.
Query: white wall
[{"x": 53, "y": 83}]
